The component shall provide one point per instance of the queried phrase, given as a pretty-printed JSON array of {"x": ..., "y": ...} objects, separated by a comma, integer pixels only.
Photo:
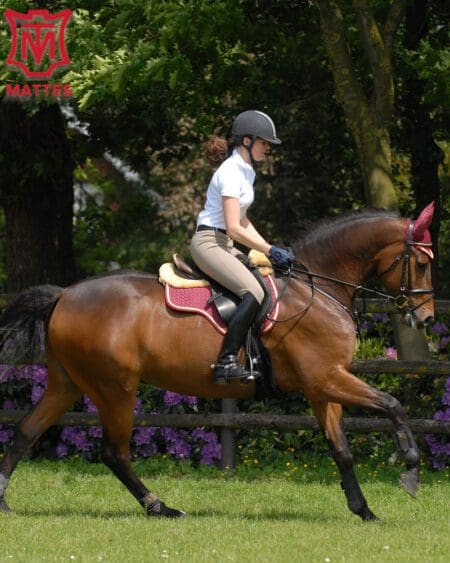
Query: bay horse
[{"x": 106, "y": 334}]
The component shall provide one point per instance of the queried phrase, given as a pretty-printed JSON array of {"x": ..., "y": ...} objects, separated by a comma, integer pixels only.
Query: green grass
[{"x": 71, "y": 511}]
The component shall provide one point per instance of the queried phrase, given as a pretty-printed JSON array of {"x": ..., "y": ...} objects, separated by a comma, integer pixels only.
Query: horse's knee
[
  {"x": 113, "y": 458},
  {"x": 108, "y": 455},
  {"x": 343, "y": 458}
]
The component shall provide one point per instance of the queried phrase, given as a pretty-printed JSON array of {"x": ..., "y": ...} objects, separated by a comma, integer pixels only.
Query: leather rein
[{"x": 401, "y": 301}]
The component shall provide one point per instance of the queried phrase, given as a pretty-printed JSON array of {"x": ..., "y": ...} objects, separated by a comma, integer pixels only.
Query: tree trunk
[
  {"x": 36, "y": 194},
  {"x": 369, "y": 120},
  {"x": 426, "y": 156},
  {"x": 374, "y": 149}
]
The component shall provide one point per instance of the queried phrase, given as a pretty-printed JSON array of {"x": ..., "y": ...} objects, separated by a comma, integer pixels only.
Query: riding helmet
[{"x": 253, "y": 123}]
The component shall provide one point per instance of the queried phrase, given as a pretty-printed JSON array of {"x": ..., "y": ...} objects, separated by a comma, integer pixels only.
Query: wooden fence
[{"x": 230, "y": 420}]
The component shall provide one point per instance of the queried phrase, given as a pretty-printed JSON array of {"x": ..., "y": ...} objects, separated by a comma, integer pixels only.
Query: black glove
[{"x": 281, "y": 257}]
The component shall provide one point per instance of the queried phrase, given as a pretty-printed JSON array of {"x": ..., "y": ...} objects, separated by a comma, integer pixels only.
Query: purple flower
[
  {"x": 90, "y": 406},
  {"x": 169, "y": 434},
  {"x": 8, "y": 404},
  {"x": 138, "y": 406},
  {"x": 62, "y": 450},
  {"x": 444, "y": 342},
  {"x": 5, "y": 436},
  {"x": 76, "y": 436},
  {"x": 146, "y": 451},
  {"x": 143, "y": 436},
  {"x": 95, "y": 432},
  {"x": 391, "y": 353},
  {"x": 36, "y": 393},
  {"x": 440, "y": 329},
  {"x": 179, "y": 448},
  {"x": 211, "y": 453},
  {"x": 39, "y": 375},
  {"x": 190, "y": 400},
  {"x": 171, "y": 399},
  {"x": 7, "y": 373}
]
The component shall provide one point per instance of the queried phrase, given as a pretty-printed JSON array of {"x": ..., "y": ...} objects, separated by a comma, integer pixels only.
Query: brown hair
[{"x": 216, "y": 150}]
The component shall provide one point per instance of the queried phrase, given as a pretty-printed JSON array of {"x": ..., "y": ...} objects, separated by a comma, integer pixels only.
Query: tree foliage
[{"x": 152, "y": 80}]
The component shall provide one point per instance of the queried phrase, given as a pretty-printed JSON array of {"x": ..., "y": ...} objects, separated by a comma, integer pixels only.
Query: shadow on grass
[{"x": 264, "y": 516}]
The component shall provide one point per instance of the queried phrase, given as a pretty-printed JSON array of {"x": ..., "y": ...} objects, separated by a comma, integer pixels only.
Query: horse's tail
[{"x": 24, "y": 322}]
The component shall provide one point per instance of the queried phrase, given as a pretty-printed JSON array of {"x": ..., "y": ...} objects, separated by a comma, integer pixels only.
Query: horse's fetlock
[
  {"x": 412, "y": 457},
  {"x": 3, "y": 485}
]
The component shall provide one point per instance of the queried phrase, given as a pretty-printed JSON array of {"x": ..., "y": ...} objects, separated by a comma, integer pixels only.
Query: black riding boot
[{"x": 227, "y": 367}]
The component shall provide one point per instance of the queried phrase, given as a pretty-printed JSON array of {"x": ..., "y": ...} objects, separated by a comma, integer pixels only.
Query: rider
[{"x": 224, "y": 220}]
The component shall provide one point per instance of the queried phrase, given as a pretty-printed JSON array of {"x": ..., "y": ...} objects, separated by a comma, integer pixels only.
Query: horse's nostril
[{"x": 428, "y": 321}]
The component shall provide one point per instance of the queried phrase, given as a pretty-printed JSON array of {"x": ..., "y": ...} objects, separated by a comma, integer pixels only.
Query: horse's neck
[{"x": 349, "y": 254}]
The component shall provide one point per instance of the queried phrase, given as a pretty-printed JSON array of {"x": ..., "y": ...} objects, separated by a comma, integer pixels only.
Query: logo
[{"x": 38, "y": 49}]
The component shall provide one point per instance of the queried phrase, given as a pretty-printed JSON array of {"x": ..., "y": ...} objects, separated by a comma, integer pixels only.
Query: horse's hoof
[
  {"x": 409, "y": 480},
  {"x": 368, "y": 516},
  {"x": 4, "y": 507},
  {"x": 160, "y": 510}
]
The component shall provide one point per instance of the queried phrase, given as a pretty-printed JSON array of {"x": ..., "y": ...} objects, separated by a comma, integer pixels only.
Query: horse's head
[{"x": 404, "y": 268}]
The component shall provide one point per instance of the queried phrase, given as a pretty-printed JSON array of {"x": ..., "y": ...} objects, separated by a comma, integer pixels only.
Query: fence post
[
  {"x": 411, "y": 343},
  {"x": 228, "y": 437}
]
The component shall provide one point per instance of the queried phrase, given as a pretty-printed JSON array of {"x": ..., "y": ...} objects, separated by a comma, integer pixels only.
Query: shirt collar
[{"x": 235, "y": 154}]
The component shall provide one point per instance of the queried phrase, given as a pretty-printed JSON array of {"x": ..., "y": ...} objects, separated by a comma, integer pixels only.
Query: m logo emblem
[{"x": 38, "y": 42}]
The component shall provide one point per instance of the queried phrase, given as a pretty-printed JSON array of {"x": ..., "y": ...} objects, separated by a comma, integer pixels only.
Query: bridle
[{"x": 401, "y": 301}]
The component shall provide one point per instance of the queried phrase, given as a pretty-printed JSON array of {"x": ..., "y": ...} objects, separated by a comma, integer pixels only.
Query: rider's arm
[{"x": 242, "y": 231}]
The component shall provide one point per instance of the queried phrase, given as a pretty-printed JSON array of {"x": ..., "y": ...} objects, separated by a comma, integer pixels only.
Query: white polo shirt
[{"x": 233, "y": 178}]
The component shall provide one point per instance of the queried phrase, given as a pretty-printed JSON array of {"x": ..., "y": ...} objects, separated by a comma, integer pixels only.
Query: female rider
[{"x": 224, "y": 220}]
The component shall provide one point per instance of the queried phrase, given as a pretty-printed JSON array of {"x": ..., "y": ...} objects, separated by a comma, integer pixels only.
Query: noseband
[{"x": 402, "y": 301}]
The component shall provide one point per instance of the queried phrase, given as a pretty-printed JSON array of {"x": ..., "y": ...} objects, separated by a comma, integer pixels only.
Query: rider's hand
[{"x": 281, "y": 257}]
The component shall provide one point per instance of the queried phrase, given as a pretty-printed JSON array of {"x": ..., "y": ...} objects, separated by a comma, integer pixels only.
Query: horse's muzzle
[{"x": 413, "y": 321}]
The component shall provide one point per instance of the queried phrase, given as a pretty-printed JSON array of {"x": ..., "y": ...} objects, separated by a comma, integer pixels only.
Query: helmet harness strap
[{"x": 249, "y": 148}]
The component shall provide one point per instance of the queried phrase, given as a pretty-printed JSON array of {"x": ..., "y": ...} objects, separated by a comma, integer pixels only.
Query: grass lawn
[{"x": 74, "y": 511}]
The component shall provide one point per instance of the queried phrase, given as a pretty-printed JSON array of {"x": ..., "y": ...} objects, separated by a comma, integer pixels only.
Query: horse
[{"x": 106, "y": 334}]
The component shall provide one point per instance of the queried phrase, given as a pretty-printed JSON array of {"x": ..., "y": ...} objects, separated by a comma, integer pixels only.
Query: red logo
[{"x": 38, "y": 37}]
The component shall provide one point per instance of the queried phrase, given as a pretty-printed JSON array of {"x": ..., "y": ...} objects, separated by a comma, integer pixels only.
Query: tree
[
  {"x": 35, "y": 186},
  {"x": 36, "y": 195},
  {"x": 368, "y": 115}
]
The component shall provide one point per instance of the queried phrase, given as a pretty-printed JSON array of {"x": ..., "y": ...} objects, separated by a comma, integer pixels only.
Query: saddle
[{"x": 189, "y": 290}]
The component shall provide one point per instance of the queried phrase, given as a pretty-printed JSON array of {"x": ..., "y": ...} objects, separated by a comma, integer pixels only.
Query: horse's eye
[{"x": 422, "y": 266}]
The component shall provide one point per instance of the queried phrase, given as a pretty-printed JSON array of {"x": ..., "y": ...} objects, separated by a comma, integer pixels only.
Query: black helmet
[{"x": 253, "y": 123}]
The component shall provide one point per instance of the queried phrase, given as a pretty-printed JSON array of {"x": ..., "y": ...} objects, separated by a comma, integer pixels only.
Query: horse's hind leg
[
  {"x": 60, "y": 394},
  {"x": 329, "y": 416},
  {"x": 117, "y": 418}
]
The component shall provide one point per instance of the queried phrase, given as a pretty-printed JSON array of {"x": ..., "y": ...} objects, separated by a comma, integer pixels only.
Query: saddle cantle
[{"x": 188, "y": 290}]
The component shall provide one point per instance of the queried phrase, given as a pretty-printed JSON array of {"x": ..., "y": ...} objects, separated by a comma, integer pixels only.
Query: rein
[{"x": 401, "y": 301}]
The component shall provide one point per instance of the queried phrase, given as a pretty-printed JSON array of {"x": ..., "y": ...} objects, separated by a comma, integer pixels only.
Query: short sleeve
[{"x": 229, "y": 182}]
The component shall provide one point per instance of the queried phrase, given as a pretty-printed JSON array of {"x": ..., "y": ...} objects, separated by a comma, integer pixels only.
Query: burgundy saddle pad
[{"x": 195, "y": 300}]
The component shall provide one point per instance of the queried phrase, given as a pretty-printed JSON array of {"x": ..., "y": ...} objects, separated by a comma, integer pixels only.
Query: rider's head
[{"x": 255, "y": 131}]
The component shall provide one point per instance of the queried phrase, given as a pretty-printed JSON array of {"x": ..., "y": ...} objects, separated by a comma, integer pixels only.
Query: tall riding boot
[{"x": 227, "y": 367}]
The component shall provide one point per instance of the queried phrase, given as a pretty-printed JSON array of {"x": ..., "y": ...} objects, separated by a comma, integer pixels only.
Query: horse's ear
[{"x": 422, "y": 222}]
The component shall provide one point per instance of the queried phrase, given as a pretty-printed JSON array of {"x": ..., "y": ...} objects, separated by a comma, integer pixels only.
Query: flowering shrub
[
  {"x": 23, "y": 385},
  {"x": 439, "y": 445},
  {"x": 421, "y": 396}
]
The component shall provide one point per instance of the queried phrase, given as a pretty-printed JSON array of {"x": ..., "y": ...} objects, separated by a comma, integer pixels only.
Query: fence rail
[
  {"x": 229, "y": 420},
  {"x": 238, "y": 421}
]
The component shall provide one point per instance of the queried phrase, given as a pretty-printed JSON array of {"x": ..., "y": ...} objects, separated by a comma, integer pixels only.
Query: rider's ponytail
[{"x": 216, "y": 150}]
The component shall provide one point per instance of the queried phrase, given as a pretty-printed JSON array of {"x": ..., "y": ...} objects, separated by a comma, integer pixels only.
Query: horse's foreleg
[
  {"x": 117, "y": 420},
  {"x": 344, "y": 388},
  {"x": 60, "y": 394},
  {"x": 329, "y": 416}
]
